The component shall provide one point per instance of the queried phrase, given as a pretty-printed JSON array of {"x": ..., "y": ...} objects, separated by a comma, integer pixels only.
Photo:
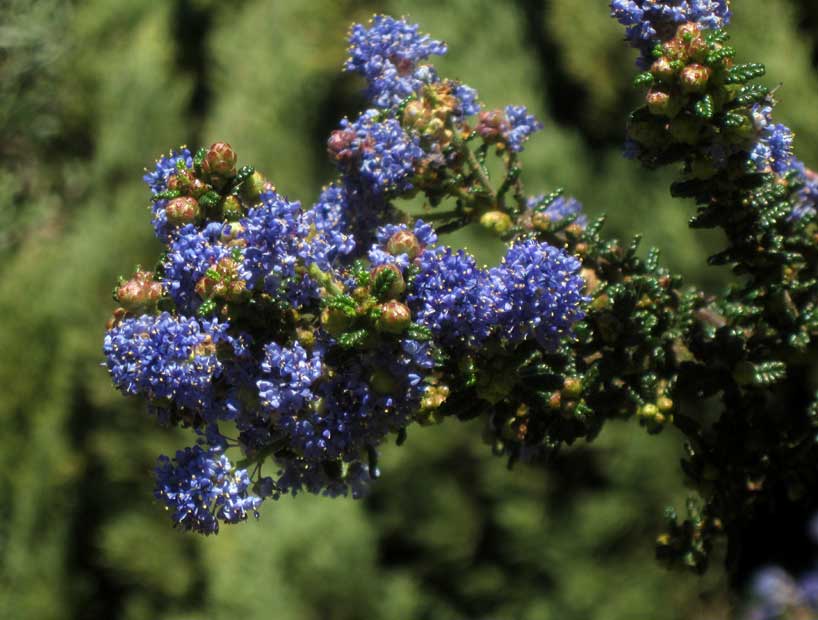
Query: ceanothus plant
[{"x": 301, "y": 339}]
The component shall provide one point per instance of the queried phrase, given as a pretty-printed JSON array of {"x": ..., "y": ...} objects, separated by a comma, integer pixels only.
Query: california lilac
[
  {"x": 388, "y": 54},
  {"x": 521, "y": 126},
  {"x": 450, "y": 295},
  {"x": 806, "y": 200},
  {"x": 377, "y": 153},
  {"x": 468, "y": 105},
  {"x": 201, "y": 488},
  {"x": 287, "y": 377},
  {"x": 773, "y": 150},
  {"x": 539, "y": 292},
  {"x": 649, "y": 22},
  {"x": 556, "y": 211},
  {"x": 166, "y": 166},
  {"x": 163, "y": 358},
  {"x": 310, "y": 337}
]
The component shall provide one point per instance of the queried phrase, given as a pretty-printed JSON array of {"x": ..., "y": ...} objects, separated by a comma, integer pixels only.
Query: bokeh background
[{"x": 91, "y": 92}]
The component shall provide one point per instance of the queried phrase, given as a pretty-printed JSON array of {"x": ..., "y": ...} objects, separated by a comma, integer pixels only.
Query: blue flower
[
  {"x": 190, "y": 255},
  {"x": 522, "y": 125},
  {"x": 467, "y": 100},
  {"x": 387, "y": 55},
  {"x": 559, "y": 209},
  {"x": 806, "y": 197},
  {"x": 157, "y": 179},
  {"x": 165, "y": 358},
  {"x": 287, "y": 376},
  {"x": 773, "y": 150},
  {"x": 334, "y": 217},
  {"x": 378, "y": 155},
  {"x": 649, "y": 22},
  {"x": 450, "y": 295},
  {"x": 538, "y": 292},
  {"x": 277, "y": 234},
  {"x": 378, "y": 255},
  {"x": 201, "y": 487}
]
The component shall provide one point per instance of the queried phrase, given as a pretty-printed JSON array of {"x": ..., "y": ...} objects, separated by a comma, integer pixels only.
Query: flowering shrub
[{"x": 302, "y": 338}]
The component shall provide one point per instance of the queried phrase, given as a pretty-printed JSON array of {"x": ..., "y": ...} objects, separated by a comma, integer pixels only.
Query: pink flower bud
[
  {"x": 182, "y": 210},
  {"x": 395, "y": 317},
  {"x": 398, "y": 284},
  {"x": 139, "y": 293},
  {"x": 694, "y": 77},
  {"x": 220, "y": 161},
  {"x": 404, "y": 242}
]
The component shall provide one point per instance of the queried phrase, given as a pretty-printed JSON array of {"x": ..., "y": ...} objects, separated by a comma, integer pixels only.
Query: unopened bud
[
  {"x": 663, "y": 68},
  {"x": 182, "y": 210},
  {"x": 139, "y": 293},
  {"x": 664, "y": 403},
  {"x": 496, "y": 221},
  {"x": 220, "y": 161},
  {"x": 231, "y": 208},
  {"x": 335, "y": 321},
  {"x": 492, "y": 125},
  {"x": 230, "y": 235},
  {"x": 117, "y": 317},
  {"x": 572, "y": 387},
  {"x": 693, "y": 78},
  {"x": 404, "y": 242},
  {"x": 658, "y": 101},
  {"x": 395, "y": 317},
  {"x": 253, "y": 187},
  {"x": 398, "y": 283},
  {"x": 339, "y": 145}
]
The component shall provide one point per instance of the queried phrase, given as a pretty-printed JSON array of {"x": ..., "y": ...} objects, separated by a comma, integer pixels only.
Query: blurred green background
[{"x": 90, "y": 93}]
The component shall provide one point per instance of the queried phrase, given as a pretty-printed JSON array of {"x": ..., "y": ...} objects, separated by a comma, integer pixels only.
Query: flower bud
[
  {"x": 492, "y": 125},
  {"x": 182, "y": 210},
  {"x": 231, "y": 208},
  {"x": 663, "y": 69},
  {"x": 253, "y": 187},
  {"x": 404, "y": 242},
  {"x": 220, "y": 161},
  {"x": 496, "y": 221},
  {"x": 572, "y": 387},
  {"x": 139, "y": 293},
  {"x": 116, "y": 318},
  {"x": 395, "y": 317},
  {"x": 398, "y": 283},
  {"x": 434, "y": 397},
  {"x": 335, "y": 321},
  {"x": 230, "y": 235},
  {"x": 339, "y": 145},
  {"x": 658, "y": 101},
  {"x": 694, "y": 77}
]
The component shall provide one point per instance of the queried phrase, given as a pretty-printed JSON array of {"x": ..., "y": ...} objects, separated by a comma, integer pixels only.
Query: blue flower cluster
[
  {"x": 773, "y": 150},
  {"x": 201, "y": 488},
  {"x": 380, "y": 154},
  {"x": 164, "y": 358},
  {"x": 167, "y": 166},
  {"x": 388, "y": 54},
  {"x": 649, "y": 22},
  {"x": 317, "y": 333},
  {"x": 157, "y": 181},
  {"x": 558, "y": 210},
  {"x": 521, "y": 126},
  {"x": 807, "y": 197},
  {"x": 539, "y": 291}
]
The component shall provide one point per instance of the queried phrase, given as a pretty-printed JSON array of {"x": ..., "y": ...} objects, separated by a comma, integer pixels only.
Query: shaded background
[{"x": 91, "y": 92}]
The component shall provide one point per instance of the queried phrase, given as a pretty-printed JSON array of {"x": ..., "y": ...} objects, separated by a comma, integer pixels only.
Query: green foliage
[{"x": 90, "y": 94}]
